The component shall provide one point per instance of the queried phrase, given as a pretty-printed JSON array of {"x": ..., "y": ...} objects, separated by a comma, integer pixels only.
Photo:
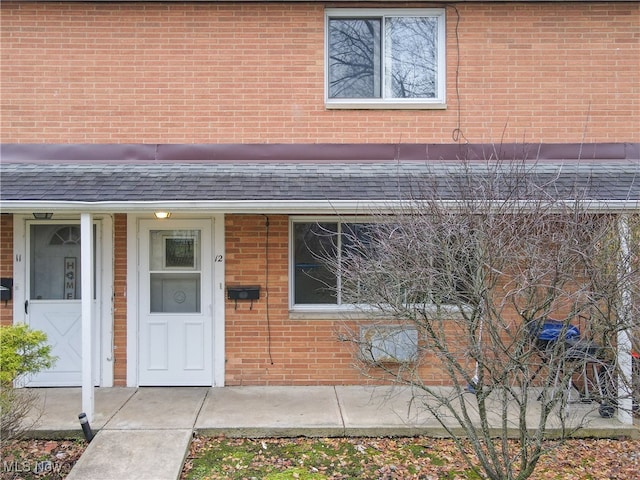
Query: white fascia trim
[
  {"x": 208, "y": 206},
  {"x": 314, "y": 207}
]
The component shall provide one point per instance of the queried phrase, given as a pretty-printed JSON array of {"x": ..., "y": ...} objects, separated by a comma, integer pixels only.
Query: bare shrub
[{"x": 477, "y": 262}]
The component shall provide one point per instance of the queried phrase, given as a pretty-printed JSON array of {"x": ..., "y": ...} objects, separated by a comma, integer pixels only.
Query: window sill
[
  {"x": 332, "y": 314},
  {"x": 357, "y": 313},
  {"x": 364, "y": 105}
]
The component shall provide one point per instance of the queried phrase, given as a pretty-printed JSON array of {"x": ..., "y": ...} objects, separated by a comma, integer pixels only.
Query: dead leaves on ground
[
  {"x": 393, "y": 458},
  {"x": 39, "y": 459},
  {"x": 335, "y": 458}
]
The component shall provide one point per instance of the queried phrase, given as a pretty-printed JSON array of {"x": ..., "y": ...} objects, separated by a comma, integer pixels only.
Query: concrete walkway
[{"x": 144, "y": 433}]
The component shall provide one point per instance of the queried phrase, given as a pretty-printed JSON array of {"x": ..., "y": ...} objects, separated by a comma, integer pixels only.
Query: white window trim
[
  {"x": 318, "y": 308},
  {"x": 437, "y": 103},
  {"x": 327, "y": 311}
]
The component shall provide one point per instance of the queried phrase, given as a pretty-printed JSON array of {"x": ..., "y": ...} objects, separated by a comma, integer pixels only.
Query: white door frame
[
  {"x": 104, "y": 295},
  {"x": 217, "y": 287}
]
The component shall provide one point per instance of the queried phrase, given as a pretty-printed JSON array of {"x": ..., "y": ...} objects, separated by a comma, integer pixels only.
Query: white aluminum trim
[
  {"x": 327, "y": 207},
  {"x": 218, "y": 280}
]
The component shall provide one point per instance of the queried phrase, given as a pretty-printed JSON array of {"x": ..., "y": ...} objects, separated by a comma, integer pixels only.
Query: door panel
[
  {"x": 194, "y": 346},
  {"x": 54, "y": 300},
  {"x": 62, "y": 322},
  {"x": 158, "y": 342},
  {"x": 175, "y": 310}
]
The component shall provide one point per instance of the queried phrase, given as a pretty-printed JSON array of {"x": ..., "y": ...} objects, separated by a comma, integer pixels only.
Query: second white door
[{"x": 175, "y": 303}]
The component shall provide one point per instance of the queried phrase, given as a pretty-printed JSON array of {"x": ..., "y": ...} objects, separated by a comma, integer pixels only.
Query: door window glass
[
  {"x": 54, "y": 271},
  {"x": 174, "y": 271}
]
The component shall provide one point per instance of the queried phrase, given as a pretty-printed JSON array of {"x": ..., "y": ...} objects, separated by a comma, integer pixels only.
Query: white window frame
[
  {"x": 318, "y": 307},
  {"x": 330, "y": 310},
  {"x": 438, "y": 102}
]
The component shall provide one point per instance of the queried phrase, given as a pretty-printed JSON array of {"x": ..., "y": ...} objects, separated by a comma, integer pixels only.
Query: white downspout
[
  {"x": 86, "y": 256},
  {"x": 624, "y": 341}
]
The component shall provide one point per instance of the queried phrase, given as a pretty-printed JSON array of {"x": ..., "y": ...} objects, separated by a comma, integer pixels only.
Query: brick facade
[
  {"x": 6, "y": 263},
  {"x": 209, "y": 72},
  {"x": 253, "y": 73},
  {"x": 120, "y": 299},
  {"x": 264, "y": 344},
  {"x": 266, "y": 347}
]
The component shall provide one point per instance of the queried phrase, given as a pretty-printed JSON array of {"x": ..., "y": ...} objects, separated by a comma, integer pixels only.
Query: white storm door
[
  {"x": 175, "y": 303},
  {"x": 53, "y": 302}
]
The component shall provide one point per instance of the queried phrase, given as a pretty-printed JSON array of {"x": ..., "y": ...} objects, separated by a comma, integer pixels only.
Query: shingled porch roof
[{"x": 279, "y": 177}]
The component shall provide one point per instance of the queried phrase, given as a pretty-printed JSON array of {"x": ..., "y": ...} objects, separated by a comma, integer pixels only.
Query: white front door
[
  {"x": 175, "y": 307},
  {"x": 53, "y": 301}
]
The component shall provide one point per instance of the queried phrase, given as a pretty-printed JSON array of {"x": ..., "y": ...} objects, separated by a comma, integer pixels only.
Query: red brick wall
[
  {"x": 253, "y": 73},
  {"x": 261, "y": 347},
  {"x": 274, "y": 350},
  {"x": 271, "y": 348},
  {"x": 120, "y": 299},
  {"x": 6, "y": 263}
]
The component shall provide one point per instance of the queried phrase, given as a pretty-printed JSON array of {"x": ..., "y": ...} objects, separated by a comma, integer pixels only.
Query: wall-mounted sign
[{"x": 69, "y": 278}]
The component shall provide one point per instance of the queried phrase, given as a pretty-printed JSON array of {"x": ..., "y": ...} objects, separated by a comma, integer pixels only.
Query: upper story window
[{"x": 385, "y": 58}]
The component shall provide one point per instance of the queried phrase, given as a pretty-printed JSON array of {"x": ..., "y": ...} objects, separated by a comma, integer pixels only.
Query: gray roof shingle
[{"x": 102, "y": 181}]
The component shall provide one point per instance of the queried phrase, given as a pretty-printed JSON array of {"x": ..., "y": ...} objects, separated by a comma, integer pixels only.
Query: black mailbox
[
  {"x": 6, "y": 289},
  {"x": 243, "y": 293}
]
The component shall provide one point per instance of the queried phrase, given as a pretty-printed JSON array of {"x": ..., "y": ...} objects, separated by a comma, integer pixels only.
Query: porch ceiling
[{"x": 292, "y": 175}]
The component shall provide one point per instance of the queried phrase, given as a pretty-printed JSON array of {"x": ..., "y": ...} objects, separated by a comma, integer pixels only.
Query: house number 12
[{"x": 218, "y": 259}]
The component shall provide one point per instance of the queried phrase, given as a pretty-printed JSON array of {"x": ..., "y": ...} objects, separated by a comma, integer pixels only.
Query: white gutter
[{"x": 277, "y": 206}]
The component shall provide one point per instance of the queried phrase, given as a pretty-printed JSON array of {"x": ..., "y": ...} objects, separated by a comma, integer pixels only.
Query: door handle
[{"x": 26, "y": 307}]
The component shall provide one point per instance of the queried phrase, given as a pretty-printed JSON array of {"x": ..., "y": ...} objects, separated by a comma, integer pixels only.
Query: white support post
[
  {"x": 624, "y": 341},
  {"x": 86, "y": 260}
]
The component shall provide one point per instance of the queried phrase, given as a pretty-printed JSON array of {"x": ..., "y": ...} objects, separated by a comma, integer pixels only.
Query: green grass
[
  {"x": 316, "y": 459},
  {"x": 275, "y": 460},
  {"x": 216, "y": 458}
]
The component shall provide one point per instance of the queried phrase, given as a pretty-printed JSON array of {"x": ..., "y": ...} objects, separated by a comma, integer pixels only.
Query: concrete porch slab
[
  {"x": 160, "y": 408},
  {"x": 56, "y": 410},
  {"x": 395, "y": 409},
  {"x": 271, "y": 411}
]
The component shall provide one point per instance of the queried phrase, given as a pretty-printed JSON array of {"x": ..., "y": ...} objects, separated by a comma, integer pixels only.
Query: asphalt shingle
[{"x": 211, "y": 181}]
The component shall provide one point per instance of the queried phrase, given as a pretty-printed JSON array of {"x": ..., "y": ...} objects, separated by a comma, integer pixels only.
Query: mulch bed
[{"x": 39, "y": 459}]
